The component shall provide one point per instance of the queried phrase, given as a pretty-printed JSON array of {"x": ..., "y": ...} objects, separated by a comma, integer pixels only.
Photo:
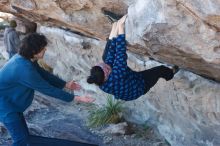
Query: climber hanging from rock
[{"x": 113, "y": 76}]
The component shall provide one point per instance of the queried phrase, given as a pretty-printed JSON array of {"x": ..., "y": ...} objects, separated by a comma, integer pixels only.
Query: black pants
[{"x": 151, "y": 76}]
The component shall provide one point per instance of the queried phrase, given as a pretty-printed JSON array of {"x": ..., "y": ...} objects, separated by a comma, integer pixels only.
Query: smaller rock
[
  {"x": 116, "y": 129},
  {"x": 133, "y": 135},
  {"x": 107, "y": 140}
]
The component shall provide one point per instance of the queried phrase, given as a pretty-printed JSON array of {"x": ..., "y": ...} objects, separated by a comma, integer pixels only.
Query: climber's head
[
  {"x": 33, "y": 46},
  {"x": 99, "y": 74},
  {"x": 13, "y": 23}
]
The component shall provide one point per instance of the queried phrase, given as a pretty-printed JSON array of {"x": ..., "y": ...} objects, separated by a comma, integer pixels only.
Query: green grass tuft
[{"x": 110, "y": 113}]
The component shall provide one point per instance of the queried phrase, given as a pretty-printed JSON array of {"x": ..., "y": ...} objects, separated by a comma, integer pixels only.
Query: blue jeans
[{"x": 18, "y": 130}]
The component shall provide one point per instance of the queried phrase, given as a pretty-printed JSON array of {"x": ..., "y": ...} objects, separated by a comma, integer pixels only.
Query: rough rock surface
[{"x": 182, "y": 32}]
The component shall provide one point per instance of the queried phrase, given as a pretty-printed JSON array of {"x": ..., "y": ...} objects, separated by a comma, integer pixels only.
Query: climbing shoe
[
  {"x": 175, "y": 69},
  {"x": 113, "y": 17}
]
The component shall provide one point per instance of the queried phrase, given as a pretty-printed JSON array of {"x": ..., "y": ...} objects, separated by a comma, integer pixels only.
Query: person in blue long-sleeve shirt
[
  {"x": 113, "y": 76},
  {"x": 20, "y": 77}
]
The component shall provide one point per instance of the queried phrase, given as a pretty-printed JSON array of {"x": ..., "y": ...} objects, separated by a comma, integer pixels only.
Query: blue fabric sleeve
[
  {"x": 52, "y": 79},
  {"x": 110, "y": 58},
  {"x": 32, "y": 79},
  {"x": 119, "y": 69}
]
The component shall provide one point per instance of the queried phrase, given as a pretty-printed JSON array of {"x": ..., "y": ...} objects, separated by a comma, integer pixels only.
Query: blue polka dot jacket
[{"x": 123, "y": 83}]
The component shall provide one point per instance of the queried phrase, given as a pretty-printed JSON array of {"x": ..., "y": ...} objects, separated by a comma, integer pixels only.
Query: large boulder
[{"x": 182, "y": 32}]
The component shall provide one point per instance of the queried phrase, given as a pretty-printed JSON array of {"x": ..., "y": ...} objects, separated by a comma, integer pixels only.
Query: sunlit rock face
[
  {"x": 182, "y": 32},
  {"x": 185, "y": 110},
  {"x": 83, "y": 16}
]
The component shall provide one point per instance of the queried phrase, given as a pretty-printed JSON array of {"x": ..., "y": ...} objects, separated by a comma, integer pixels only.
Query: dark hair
[
  {"x": 32, "y": 44},
  {"x": 96, "y": 76}
]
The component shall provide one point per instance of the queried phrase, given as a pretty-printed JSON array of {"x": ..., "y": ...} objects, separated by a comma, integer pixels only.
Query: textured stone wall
[{"x": 182, "y": 32}]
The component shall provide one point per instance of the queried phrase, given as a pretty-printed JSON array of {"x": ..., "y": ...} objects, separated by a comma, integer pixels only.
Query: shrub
[{"x": 110, "y": 113}]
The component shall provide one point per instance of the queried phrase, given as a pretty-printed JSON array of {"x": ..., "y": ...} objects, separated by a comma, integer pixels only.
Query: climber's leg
[{"x": 151, "y": 76}]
